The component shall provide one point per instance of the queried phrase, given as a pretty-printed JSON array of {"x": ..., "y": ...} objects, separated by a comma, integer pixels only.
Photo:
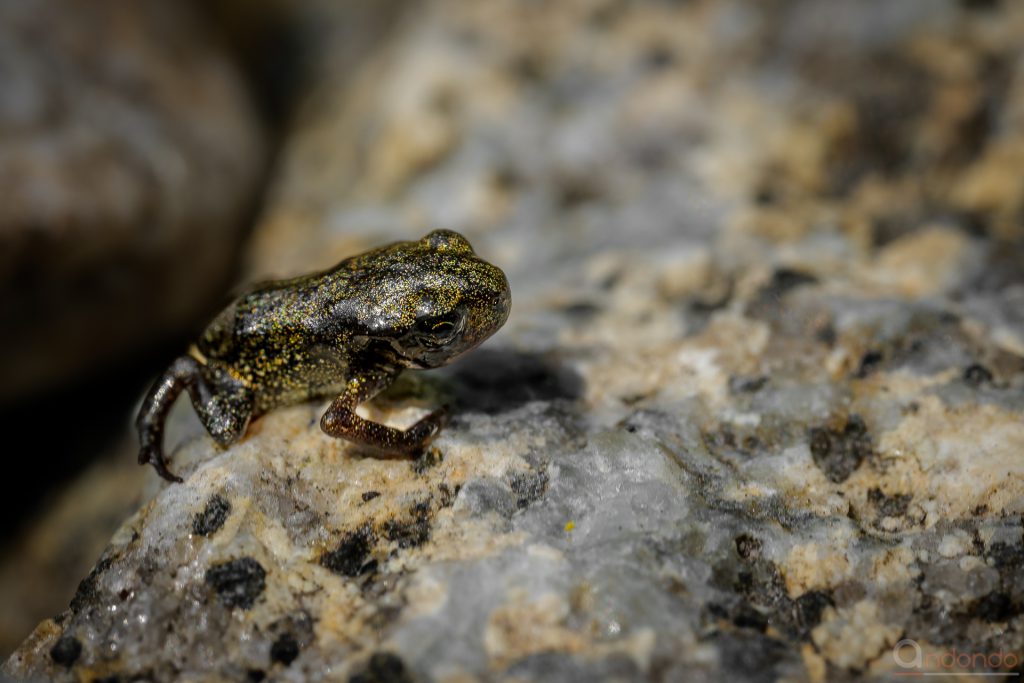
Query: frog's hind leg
[
  {"x": 153, "y": 414},
  {"x": 341, "y": 419},
  {"x": 223, "y": 405}
]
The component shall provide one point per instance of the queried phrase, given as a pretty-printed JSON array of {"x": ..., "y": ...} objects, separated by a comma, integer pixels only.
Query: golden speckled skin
[{"x": 346, "y": 332}]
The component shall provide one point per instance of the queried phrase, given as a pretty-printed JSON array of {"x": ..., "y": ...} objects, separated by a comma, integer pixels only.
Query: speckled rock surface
[
  {"x": 42, "y": 566},
  {"x": 758, "y": 413},
  {"x": 129, "y": 161}
]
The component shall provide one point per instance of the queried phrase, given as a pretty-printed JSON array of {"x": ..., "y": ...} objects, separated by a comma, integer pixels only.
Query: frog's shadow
[
  {"x": 487, "y": 381},
  {"x": 494, "y": 381}
]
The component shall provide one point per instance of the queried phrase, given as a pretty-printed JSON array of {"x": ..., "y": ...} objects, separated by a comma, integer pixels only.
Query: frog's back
[
  {"x": 268, "y": 315},
  {"x": 273, "y": 339}
]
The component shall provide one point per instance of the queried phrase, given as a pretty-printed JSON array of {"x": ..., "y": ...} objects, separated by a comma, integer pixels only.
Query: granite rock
[
  {"x": 43, "y": 563},
  {"x": 130, "y": 161},
  {"x": 756, "y": 414}
]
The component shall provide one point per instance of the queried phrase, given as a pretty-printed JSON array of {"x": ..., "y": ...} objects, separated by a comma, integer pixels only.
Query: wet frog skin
[{"x": 345, "y": 332}]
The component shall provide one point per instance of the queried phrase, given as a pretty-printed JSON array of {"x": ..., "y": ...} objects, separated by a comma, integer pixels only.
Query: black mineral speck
[
  {"x": 581, "y": 311},
  {"x": 528, "y": 486},
  {"x": 716, "y": 610},
  {"x": 869, "y": 363},
  {"x": 285, "y": 649},
  {"x": 767, "y": 304},
  {"x": 659, "y": 57},
  {"x": 350, "y": 557},
  {"x": 383, "y": 667},
  {"x": 766, "y": 195},
  {"x": 826, "y": 334},
  {"x": 407, "y": 534},
  {"x": 238, "y": 583},
  {"x": 994, "y": 607},
  {"x": 66, "y": 651},
  {"x": 413, "y": 532},
  {"x": 88, "y": 593},
  {"x": 840, "y": 451},
  {"x": 785, "y": 280},
  {"x": 889, "y": 506},
  {"x": 212, "y": 518},
  {"x": 739, "y": 384},
  {"x": 255, "y": 675},
  {"x": 747, "y": 616},
  {"x": 1006, "y": 555},
  {"x": 447, "y": 494},
  {"x": 807, "y": 610},
  {"x": 370, "y": 495},
  {"x": 976, "y": 375},
  {"x": 761, "y": 582},
  {"x": 574, "y": 192},
  {"x": 748, "y": 547}
]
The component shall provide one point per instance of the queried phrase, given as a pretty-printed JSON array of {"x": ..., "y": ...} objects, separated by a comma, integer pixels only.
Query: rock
[
  {"x": 44, "y": 564},
  {"x": 838, "y": 452},
  {"x": 727, "y": 432},
  {"x": 238, "y": 583},
  {"x": 212, "y": 517},
  {"x": 130, "y": 161},
  {"x": 66, "y": 651}
]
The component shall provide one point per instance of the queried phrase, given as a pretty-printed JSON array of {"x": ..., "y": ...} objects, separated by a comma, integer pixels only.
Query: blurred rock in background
[
  {"x": 136, "y": 138},
  {"x": 42, "y": 566},
  {"x": 757, "y": 413},
  {"x": 131, "y": 156},
  {"x": 129, "y": 162}
]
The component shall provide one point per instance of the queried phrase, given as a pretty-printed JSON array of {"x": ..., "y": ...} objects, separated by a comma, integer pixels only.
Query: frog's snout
[
  {"x": 502, "y": 305},
  {"x": 498, "y": 300}
]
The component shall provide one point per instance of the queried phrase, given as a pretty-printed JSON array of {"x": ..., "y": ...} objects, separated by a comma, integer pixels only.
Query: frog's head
[{"x": 435, "y": 299}]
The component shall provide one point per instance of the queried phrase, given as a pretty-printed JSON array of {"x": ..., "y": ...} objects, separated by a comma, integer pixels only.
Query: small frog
[{"x": 346, "y": 332}]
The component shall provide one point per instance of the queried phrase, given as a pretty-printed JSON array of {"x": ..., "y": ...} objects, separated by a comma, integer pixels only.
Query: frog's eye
[{"x": 439, "y": 328}]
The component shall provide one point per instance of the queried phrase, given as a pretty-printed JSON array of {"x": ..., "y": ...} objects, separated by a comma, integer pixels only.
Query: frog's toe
[
  {"x": 424, "y": 431},
  {"x": 159, "y": 464},
  {"x": 162, "y": 470}
]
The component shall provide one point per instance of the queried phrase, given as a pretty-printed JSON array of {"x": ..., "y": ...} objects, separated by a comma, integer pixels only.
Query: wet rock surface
[
  {"x": 47, "y": 561},
  {"x": 130, "y": 159},
  {"x": 758, "y": 412}
]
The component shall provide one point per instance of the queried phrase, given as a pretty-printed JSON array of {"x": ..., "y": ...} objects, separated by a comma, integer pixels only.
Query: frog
[{"x": 344, "y": 333}]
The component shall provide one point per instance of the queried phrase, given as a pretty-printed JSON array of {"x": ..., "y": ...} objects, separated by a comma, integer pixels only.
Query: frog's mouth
[
  {"x": 396, "y": 354},
  {"x": 432, "y": 342},
  {"x": 430, "y": 359}
]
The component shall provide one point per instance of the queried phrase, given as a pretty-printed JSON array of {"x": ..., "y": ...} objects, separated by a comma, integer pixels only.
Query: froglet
[{"x": 346, "y": 332}]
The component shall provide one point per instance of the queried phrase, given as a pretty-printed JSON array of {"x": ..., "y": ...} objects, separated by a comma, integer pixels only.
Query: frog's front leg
[
  {"x": 223, "y": 405},
  {"x": 341, "y": 419}
]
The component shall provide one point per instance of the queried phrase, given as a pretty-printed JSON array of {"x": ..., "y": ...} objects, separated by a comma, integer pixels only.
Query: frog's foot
[
  {"x": 154, "y": 457},
  {"x": 224, "y": 407},
  {"x": 424, "y": 431},
  {"x": 154, "y": 409},
  {"x": 342, "y": 421}
]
